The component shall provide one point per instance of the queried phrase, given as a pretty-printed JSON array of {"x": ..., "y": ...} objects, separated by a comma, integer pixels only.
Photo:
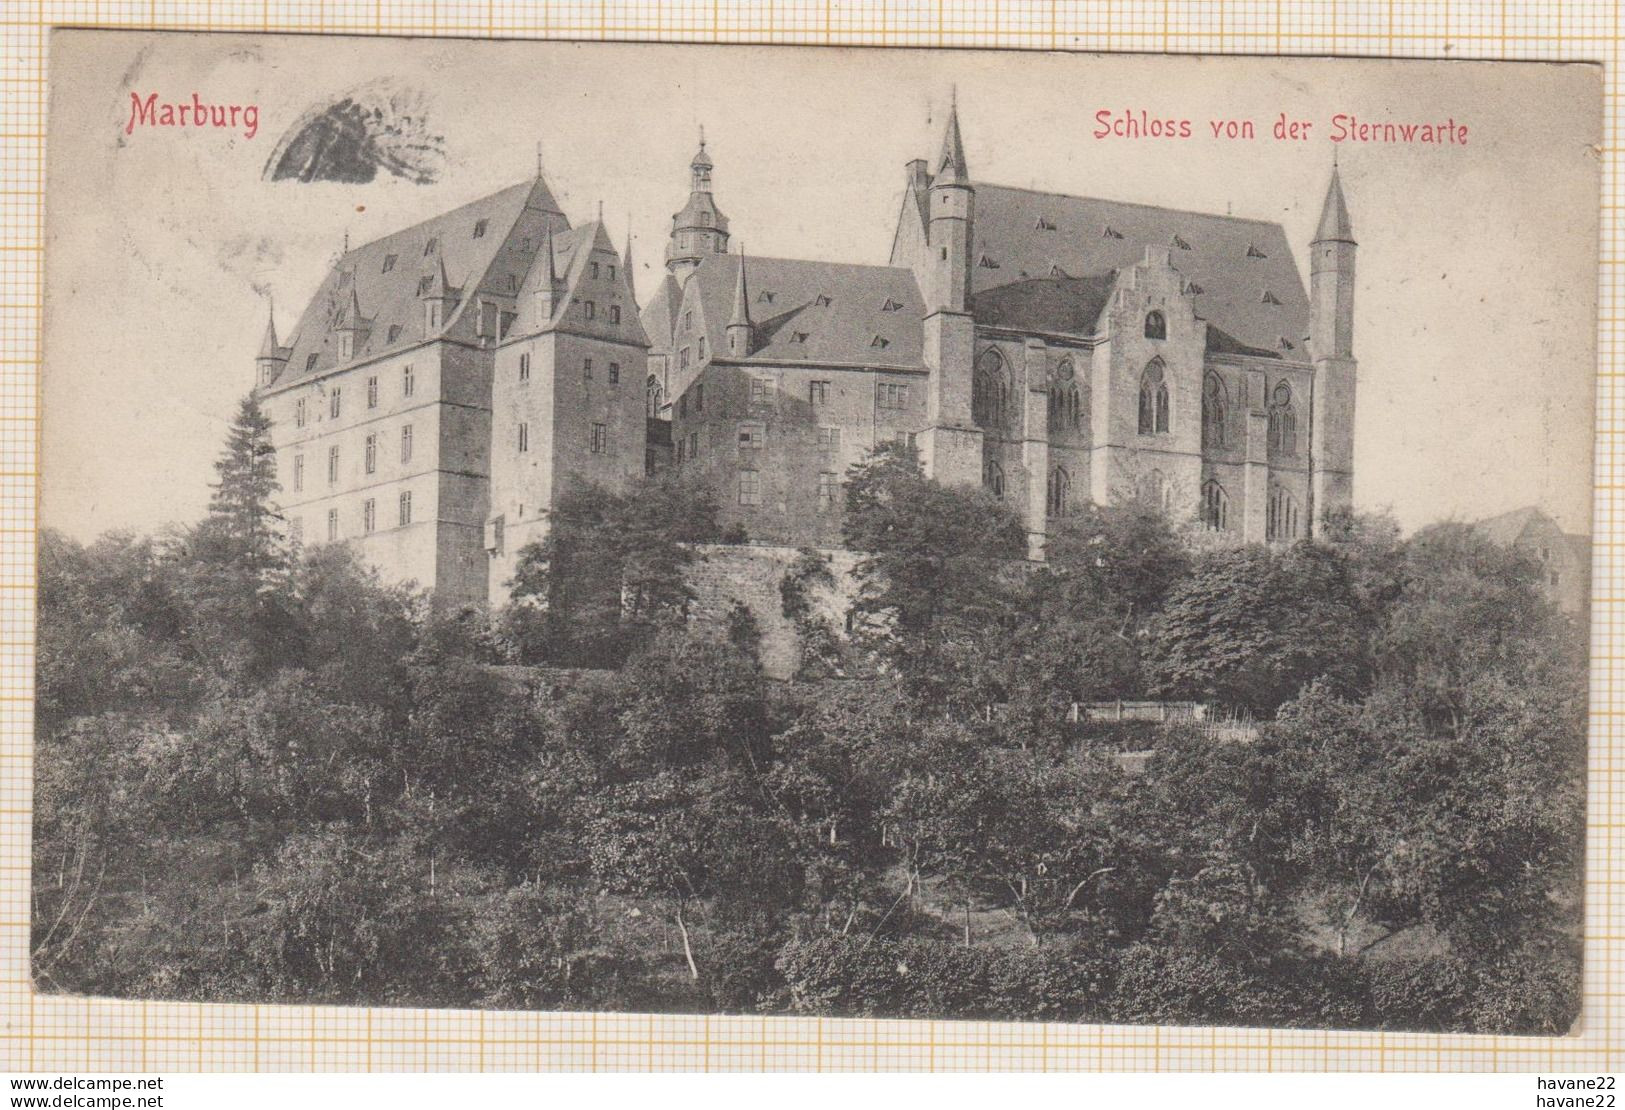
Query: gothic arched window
[
  {"x": 1059, "y": 493},
  {"x": 1156, "y": 325},
  {"x": 990, "y": 391},
  {"x": 1215, "y": 406},
  {"x": 1153, "y": 491},
  {"x": 1281, "y": 516},
  {"x": 1065, "y": 402},
  {"x": 657, "y": 396},
  {"x": 1215, "y": 507},
  {"x": 1154, "y": 399},
  {"x": 1283, "y": 422},
  {"x": 993, "y": 477}
]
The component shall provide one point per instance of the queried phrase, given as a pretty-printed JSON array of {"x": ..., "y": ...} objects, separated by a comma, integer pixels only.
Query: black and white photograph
[{"x": 810, "y": 531}]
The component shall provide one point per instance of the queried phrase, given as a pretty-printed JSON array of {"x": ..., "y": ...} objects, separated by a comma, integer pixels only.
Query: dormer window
[
  {"x": 1270, "y": 298},
  {"x": 764, "y": 297},
  {"x": 394, "y": 332},
  {"x": 479, "y": 229},
  {"x": 430, "y": 247},
  {"x": 424, "y": 282},
  {"x": 880, "y": 341},
  {"x": 310, "y": 364},
  {"x": 798, "y": 337},
  {"x": 1109, "y": 233},
  {"x": 389, "y": 262},
  {"x": 822, "y": 300},
  {"x": 891, "y": 306},
  {"x": 1254, "y": 252},
  {"x": 1044, "y": 224},
  {"x": 432, "y": 315},
  {"x": 1180, "y": 244},
  {"x": 987, "y": 263},
  {"x": 1193, "y": 289},
  {"x": 347, "y": 345},
  {"x": 513, "y": 283}
]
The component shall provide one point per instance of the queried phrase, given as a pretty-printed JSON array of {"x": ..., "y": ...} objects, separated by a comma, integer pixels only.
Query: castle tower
[
  {"x": 271, "y": 360},
  {"x": 739, "y": 325},
  {"x": 1331, "y": 342},
  {"x": 700, "y": 229},
  {"x": 951, "y": 446}
]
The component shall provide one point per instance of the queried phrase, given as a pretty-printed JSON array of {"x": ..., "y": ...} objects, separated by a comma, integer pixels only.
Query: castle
[{"x": 449, "y": 381}]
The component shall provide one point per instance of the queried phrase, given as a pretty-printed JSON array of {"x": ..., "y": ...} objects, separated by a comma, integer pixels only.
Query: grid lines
[{"x": 95, "y": 1035}]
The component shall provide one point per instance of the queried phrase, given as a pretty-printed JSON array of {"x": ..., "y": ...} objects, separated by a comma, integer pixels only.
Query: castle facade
[{"x": 449, "y": 381}]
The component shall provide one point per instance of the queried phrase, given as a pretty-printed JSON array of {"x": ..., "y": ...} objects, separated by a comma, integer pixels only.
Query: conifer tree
[{"x": 243, "y": 531}]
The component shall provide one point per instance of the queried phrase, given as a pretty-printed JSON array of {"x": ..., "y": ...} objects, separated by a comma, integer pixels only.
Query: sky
[{"x": 1475, "y": 305}]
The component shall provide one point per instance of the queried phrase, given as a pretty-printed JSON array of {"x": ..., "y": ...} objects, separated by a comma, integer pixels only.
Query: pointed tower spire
[
  {"x": 739, "y": 325},
  {"x": 951, "y": 167},
  {"x": 626, "y": 265},
  {"x": 548, "y": 291},
  {"x": 268, "y": 345},
  {"x": 1335, "y": 226}
]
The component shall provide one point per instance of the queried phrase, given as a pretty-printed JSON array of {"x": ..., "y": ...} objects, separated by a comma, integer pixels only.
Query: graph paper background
[{"x": 64, "y": 1034}]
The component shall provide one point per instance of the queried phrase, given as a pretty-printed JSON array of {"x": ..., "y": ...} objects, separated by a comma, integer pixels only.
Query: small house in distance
[{"x": 1565, "y": 557}]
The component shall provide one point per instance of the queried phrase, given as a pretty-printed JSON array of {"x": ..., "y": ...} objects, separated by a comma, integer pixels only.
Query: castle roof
[
  {"x": 1334, "y": 215},
  {"x": 484, "y": 247},
  {"x": 1243, "y": 274},
  {"x": 573, "y": 249},
  {"x": 808, "y": 311}
]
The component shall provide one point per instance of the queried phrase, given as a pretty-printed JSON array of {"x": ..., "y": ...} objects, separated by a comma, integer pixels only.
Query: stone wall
[{"x": 751, "y": 575}]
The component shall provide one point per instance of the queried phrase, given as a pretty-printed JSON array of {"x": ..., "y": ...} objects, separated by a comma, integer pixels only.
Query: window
[
  {"x": 372, "y": 453},
  {"x": 394, "y": 333},
  {"x": 828, "y": 489},
  {"x": 891, "y": 395},
  {"x": 1283, "y": 422},
  {"x": 682, "y": 359},
  {"x": 310, "y": 364},
  {"x": 389, "y": 262},
  {"x": 586, "y": 369},
  {"x": 429, "y": 247},
  {"x": 1153, "y": 399},
  {"x": 990, "y": 390},
  {"x": 693, "y": 445},
  {"x": 1214, "y": 406},
  {"x": 523, "y": 437},
  {"x": 406, "y": 444},
  {"x": 688, "y": 320},
  {"x": 682, "y": 406},
  {"x": 829, "y": 439},
  {"x": 1280, "y": 516},
  {"x": 589, "y": 310},
  {"x": 332, "y": 525},
  {"x": 656, "y": 395},
  {"x": 594, "y": 268},
  {"x": 479, "y": 229},
  {"x": 1153, "y": 491},
  {"x": 333, "y": 402},
  {"x": 751, "y": 436},
  {"x": 679, "y": 450},
  {"x": 817, "y": 393},
  {"x": 406, "y": 381},
  {"x": 347, "y": 345},
  {"x": 614, "y": 373},
  {"x": 332, "y": 465},
  {"x": 993, "y": 477},
  {"x": 600, "y": 438},
  {"x": 1059, "y": 492},
  {"x": 702, "y": 348},
  {"x": 614, "y": 313},
  {"x": 1215, "y": 507},
  {"x": 699, "y": 398},
  {"x": 299, "y": 413},
  {"x": 298, "y": 473},
  {"x": 406, "y": 507},
  {"x": 1065, "y": 402},
  {"x": 1156, "y": 326},
  {"x": 433, "y": 316},
  {"x": 524, "y": 367},
  {"x": 369, "y": 516},
  {"x": 758, "y": 391},
  {"x": 750, "y": 487},
  {"x": 296, "y": 531},
  {"x": 612, "y": 271},
  {"x": 372, "y": 392}
]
